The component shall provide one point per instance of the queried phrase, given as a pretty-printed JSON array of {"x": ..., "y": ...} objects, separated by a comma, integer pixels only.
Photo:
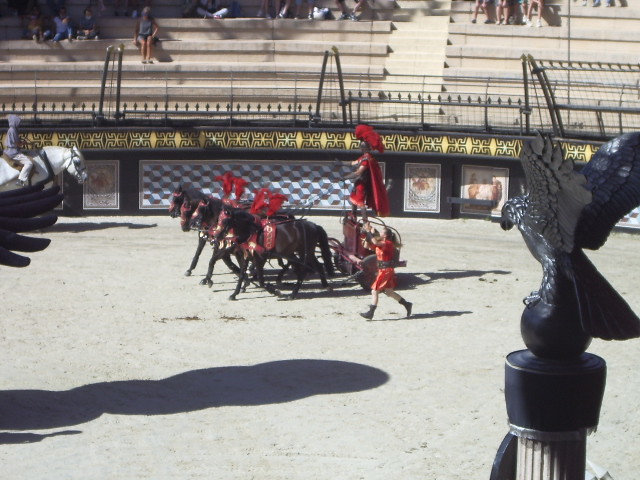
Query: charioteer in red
[
  {"x": 386, "y": 248},
  {"x": 368, "y": 189}
]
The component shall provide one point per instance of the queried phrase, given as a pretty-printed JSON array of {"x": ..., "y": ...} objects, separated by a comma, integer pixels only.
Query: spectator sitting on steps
[
  {"x": 520, "y": 12},
  {"x": 504, "y": 10},
  {"x": 35, "y": 23},
  {"x": 87, "y": 28},
  {"x": 540, "y": 5},
  {"x": 144, "y": 33},
  {"x": 264, "y": 12},
  {"x": 299, "y": 7},
  {"x": 485, "y": 6},
  {"x": 64, "y": 28},
  {"x": 55, "y": 6},
  {"x": 199, "y": 9},
  {"x": 283, "y": 8}
]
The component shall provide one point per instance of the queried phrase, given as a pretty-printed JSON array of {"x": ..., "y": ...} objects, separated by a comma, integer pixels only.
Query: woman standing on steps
[{"x": 143, "y": 35}]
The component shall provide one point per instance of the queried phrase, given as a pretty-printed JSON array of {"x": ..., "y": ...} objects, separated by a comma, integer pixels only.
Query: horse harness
[{"x": 267, "y": 226}]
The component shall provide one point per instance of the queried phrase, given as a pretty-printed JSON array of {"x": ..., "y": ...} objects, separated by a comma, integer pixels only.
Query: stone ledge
[{"x": 275, "y": 68}]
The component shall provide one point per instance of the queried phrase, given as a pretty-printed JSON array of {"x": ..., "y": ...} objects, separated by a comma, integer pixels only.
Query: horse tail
[{"x": 327, "y": 257}]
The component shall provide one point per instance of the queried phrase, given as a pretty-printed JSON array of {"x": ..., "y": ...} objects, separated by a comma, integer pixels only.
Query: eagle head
[{"x": 513, "y": 211}]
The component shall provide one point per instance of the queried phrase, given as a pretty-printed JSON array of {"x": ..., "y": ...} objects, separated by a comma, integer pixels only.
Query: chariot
[{"x": 353, "y": 258}]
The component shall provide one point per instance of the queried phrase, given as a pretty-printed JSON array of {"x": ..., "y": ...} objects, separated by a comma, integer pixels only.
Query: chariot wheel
[
  {"x": 339, "y": 262},
  {"x": 369, "y": 271}
]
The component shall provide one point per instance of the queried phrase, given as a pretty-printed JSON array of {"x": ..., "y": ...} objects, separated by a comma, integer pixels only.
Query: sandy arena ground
[{"x": 116, "y": 366}]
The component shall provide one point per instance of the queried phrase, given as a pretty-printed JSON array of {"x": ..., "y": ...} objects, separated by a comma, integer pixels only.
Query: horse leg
[
  {"x": 194, "y": 262},
  {"x": 319, "y": 268},
  {"x": 284, "y": 268},
  {"x": 243, "y": 272},
  {"x": 259, "y": 264},
  {"x": 301, "y": 273},
  {"x": 212, "y": 263},
  {"x": 226, "y": 258},
  {"x": 247, "y": 278},
  {"x": 314, "y": 264}
]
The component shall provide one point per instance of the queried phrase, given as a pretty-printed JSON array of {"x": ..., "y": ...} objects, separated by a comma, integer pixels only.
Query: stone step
[
  {"x": 211, "y": 29},
  {"x": 557, "y": 12},
  {"x": 167, "y": 51},
  {"x": 478, "y": 58},
  {"x": 618, "y": 41},
  {"x": 181, "y": 69},
  {"x": 380, "y": 10}
]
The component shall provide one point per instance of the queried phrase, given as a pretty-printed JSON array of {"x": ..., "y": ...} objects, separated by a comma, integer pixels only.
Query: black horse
[
  {"x": 296, "y": 241},
  {"x": 184, "y": 204},
  {"x": 205, "y": 219}
]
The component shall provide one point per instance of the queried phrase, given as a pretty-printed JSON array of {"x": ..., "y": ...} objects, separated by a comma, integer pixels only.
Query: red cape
[{"x": 380, "y": 198}]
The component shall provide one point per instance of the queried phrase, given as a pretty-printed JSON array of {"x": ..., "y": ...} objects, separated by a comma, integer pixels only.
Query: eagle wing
[
  {"x": 557, "y": 194},
  {"x": 16, "y": 209},
  {"x": 613, "y": 177}
]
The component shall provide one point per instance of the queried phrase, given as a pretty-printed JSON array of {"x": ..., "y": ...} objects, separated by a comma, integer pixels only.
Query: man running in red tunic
[
  {"x": 385, "y": 247},
  {"x": 368, "y": 189}
]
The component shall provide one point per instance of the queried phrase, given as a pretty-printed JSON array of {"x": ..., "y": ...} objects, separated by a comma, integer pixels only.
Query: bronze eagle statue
[
  {"x": 20, "y": 211},
  {"x": 562, "y": 213}
]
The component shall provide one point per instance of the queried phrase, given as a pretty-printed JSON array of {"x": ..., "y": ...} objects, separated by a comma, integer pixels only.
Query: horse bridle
[{"x": 74, "y": 159}]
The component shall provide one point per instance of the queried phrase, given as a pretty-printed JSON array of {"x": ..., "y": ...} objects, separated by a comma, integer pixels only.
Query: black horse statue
[{"x": 295, "y": 241}]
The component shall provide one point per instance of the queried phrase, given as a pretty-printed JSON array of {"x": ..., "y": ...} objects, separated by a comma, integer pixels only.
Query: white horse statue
[{"x": 60, "y": 158}]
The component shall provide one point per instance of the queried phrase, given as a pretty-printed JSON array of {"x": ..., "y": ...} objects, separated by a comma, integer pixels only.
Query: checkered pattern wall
[
  {"x": 631, "y": 220},
  {"x": 299, "y": 181}
]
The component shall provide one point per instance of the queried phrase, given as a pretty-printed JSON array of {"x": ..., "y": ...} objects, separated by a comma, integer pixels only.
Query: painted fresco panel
[
  {"x": 422, "y": 187},
  {"x": 484, "y": 183},
  {"x": 101, "y": 190}
]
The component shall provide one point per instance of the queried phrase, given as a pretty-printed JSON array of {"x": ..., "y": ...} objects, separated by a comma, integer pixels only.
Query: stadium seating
[
  {"x": 494, "y": 50},
  {"x": 255, "y": 58}
]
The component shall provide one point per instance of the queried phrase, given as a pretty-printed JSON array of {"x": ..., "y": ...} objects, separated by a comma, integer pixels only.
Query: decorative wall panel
[
  {"x": 304, "y": 182},
  {"x": 422, "y": 187}
]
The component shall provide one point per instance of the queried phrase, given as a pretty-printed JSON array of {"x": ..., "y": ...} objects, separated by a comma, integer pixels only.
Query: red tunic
[
  {"x": 386, "y": 276},
  {"x": 370, "y": 189}
]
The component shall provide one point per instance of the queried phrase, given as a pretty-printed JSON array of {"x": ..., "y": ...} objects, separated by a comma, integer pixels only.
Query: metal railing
[
  {"x": 587, "y": 100},
  {"x": 567, "y": 99}
]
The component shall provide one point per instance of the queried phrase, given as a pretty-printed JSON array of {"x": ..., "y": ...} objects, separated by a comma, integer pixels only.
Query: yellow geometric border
[{"x": 467, "y": 145}]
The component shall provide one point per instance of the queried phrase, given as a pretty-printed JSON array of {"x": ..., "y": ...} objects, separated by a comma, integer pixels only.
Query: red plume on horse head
[
  {"x": 260, "y": 200},
  {"x": 275, "y": 202},
  {"x": 366, "y": 133},
  {"x": 240, "y": 184},
  {"x": 227, "y": 182}
]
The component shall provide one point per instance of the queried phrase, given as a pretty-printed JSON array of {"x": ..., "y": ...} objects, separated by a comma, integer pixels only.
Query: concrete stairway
[
  {"x": 194, "y": 56},
  {"x": 588, "y": 35}
]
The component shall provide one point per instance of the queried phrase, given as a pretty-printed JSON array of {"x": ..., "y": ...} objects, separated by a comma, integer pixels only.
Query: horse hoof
[
  {"x": 203, "y": 281},
  {"x": 187, "y": 273},
  {"x": 232, "y": 297}
]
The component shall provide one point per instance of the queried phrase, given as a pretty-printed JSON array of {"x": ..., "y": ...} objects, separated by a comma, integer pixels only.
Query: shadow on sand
[
  {"x": 422, "y": 316},
  {"x": 7, "y": 438},
  {"x": 91, "y": 226},
  {"x": 262, "y": 384},
  {"x": 413, "y": 280}
]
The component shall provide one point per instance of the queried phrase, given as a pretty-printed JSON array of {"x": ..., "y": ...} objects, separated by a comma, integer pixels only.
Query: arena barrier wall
[{"x": 134, "y": 171}]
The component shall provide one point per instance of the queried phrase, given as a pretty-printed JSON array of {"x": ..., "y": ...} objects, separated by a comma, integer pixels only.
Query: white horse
[{"x": 60, "y": 158}]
